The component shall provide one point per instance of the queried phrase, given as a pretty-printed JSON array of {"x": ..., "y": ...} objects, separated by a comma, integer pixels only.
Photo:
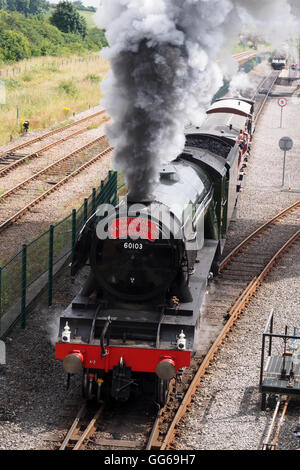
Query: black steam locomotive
[{"x": 136, "y": 318}]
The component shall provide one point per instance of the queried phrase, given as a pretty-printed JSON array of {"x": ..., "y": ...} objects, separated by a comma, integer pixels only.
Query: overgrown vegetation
[
  {"x": 67, "y": 19},
  {"x": 27, "y": 7},
  {"x": 61, "y": 88},
  {"x": 22, "y": 38}
]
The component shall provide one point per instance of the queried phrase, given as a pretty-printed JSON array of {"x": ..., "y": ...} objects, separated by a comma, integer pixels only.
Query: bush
[
  {"x": 68, "y": 87},
  {"x": 93, "y": 78},
  {"x": 14, "y": 46},
  {"x": 97, "y": 36}
]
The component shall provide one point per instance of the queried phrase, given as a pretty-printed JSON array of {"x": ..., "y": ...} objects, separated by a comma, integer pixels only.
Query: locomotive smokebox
[
  {"x": 133, "y": 198},
  {"x": 73, "y": 363}
]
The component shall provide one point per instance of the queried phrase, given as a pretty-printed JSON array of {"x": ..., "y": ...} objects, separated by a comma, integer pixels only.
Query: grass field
[
  {"x": 88, "y": 16},
  {"x": 50, "y": 91}
]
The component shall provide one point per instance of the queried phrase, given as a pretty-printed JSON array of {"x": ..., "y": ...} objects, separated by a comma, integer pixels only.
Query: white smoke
[
  {"x": 164, "y": 72},
  {"x": 240, "y": 85}
]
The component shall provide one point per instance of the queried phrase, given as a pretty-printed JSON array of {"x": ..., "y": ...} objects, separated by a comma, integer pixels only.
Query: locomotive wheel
[{"x": 162, "y": 389}]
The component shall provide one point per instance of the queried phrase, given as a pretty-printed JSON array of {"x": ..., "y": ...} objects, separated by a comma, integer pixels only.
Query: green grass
[
  {"x": 88, "y": 16},
  {"x": 61, "y": 88}
]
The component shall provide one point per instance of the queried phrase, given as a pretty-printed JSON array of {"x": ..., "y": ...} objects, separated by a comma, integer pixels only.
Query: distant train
[
  {"x": 134, "y": 323},
  {"x": 279, "y": 62}
]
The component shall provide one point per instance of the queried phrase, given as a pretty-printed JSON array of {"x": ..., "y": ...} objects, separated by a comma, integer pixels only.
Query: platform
[{"x": 272, "y": 382}]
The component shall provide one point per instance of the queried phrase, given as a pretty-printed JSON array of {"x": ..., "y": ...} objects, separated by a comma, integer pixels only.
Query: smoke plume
[{"x": 164, "y": 71}]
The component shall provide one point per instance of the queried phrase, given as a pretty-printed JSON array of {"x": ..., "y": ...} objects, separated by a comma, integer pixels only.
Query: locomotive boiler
[{"x": 134, "y": 323}]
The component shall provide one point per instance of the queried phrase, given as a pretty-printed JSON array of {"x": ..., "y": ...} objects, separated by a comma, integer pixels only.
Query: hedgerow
[{"x": 22, "y": 37}]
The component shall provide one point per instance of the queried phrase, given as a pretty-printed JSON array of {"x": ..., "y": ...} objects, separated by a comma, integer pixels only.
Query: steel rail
[
  {"x": 75, "y": 427},
  {"x": 272, "y": 446},
  {"x": 21, "y": 212},
  {"x": 255, "y": 233},
  {"x": 50, "y": 133},
  {"x": 266, "y": 97},
  {"x": 35, "y": 154},
  {"x": 235, "y": 312},
  {"x": 49, "y": 167},
  {"x": 153, "y": 438},
  {"x": 260, "y": 85},
  {"x": 90, "y": 429}
]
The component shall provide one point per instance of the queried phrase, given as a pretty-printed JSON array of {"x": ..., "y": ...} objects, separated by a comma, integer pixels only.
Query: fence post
[
  {"x": 50, "y": 270},
  {"x": 23, "y": 299},
  {"x": 73, "y": 230}
]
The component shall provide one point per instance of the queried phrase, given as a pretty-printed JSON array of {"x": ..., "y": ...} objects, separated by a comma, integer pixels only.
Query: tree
[
  {"x": 67, "y": 19},
  {"x": 27, "y": 7},
  {"x": 97, "y": 36},
  {"x": 3, "y": 5}
]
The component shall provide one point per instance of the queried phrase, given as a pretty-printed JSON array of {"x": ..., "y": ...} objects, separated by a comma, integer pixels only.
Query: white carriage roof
[{"x": 233, "y": 106}]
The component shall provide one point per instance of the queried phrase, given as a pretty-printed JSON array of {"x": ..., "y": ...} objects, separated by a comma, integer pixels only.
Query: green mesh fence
[
  {"x": 37, "y": 258},
  {"x": 42, "y": 254}
]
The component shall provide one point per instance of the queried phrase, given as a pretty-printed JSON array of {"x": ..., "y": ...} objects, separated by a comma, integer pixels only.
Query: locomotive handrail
[{"x": 102, "y": 336}]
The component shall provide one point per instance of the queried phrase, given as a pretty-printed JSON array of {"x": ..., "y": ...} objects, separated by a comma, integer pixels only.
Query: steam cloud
[{"x": 164, "y": 71}]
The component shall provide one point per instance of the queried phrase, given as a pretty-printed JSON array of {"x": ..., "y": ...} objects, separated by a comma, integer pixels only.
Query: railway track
[
  {"x": 11, "y": 151},
  {"x": 82, "y": 428},
  {"x": 242, "y": 273},
  {"x": 11, "y": 160},
  {"x": 242, "y": 57},
  {"x": 110, "y": 426},
  {"x": 272, "y": 438},
  {"x": 32, "y": 186},
  {"x": 228, "y": 296},
  {"x": 262, "y": 94}
]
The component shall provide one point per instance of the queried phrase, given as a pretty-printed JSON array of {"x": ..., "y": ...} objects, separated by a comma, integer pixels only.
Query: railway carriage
[{"x": 135, "y": 321}]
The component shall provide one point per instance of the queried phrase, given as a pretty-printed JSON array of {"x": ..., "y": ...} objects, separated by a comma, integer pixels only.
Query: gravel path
[{"x": 226, "y": 411}]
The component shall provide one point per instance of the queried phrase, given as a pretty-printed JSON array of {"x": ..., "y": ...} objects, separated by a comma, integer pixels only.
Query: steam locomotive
[{"x": 134, "y": 323}]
